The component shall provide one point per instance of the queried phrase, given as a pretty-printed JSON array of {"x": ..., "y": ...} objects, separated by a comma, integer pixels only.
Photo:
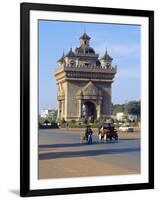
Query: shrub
[
  {"x": 73, "y": 121},
  {"x": 54, "y": 125},
  {"x": 85, "y": 121}
]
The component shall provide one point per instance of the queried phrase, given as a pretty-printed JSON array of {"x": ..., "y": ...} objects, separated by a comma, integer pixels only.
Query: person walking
[{"x": 88, "y": 134}]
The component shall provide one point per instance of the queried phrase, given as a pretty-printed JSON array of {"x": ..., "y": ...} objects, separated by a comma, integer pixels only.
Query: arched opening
[{"x": 89, "y": 111}]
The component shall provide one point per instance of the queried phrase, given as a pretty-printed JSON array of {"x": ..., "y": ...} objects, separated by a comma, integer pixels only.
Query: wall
[
  {"x": 106, "y": 93},
  {"x": 72, "y": 102},
  {"x": 9, "y": 100}
]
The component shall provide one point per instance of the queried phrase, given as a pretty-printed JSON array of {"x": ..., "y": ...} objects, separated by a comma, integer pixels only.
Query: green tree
[
  {"x": 55, "y": 115},
  {"x": 133, "y": 107},
  {"x": 40, "y": 119},
  {"x": 117, "y": 108}
]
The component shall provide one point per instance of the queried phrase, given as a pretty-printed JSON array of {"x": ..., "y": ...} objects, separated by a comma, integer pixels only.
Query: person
[
  {"x": 102, "y": 134},
  {"x": 88, "y": 134}
]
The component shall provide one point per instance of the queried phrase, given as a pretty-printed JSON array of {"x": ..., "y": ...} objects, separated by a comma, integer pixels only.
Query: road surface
[{"x": 61, "y": 154}]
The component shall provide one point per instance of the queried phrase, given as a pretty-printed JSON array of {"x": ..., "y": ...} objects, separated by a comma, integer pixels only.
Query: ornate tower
[{"x": 84, "y": 83}]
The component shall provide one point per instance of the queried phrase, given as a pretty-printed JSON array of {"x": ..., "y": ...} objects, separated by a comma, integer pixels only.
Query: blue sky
[{"x": 121, "y": 41}]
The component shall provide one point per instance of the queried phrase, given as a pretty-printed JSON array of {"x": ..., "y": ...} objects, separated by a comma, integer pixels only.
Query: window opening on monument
[
  {"x": 89, "y": 110},
  {"x": 86, "y": 64}
]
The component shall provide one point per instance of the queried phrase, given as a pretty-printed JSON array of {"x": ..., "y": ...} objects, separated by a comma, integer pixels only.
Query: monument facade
[{"x": 84, "y": 83}]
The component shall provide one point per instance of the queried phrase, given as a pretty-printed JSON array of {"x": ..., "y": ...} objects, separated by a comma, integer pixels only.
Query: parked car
[
  {"x": 48, "y": 125},
  {"x": 126, "y": 128}
]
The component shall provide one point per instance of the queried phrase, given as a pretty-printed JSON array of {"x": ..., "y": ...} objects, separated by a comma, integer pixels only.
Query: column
[
  {"x": 62, "y": 107},
  {"x": 79, "y": 108},
  {"x": 98, "y": 110},
  {"x": 58, "y": 113}
]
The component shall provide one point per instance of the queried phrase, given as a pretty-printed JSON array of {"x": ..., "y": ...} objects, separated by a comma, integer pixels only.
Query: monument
[{"x": 84, "y": 83}]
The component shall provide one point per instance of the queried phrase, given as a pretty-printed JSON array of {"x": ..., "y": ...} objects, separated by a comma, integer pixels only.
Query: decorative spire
[
  {"x": 106, "y": 52},
  {"x": 106, "y": 56},
  {"x": 70, "y": 53},
  {"x": 62, "y": 58},
  {"x": 85, "y": 36},
  {"x": 84, "y": 31}
]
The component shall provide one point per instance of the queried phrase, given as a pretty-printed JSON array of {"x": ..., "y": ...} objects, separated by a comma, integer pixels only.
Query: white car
[{"x": 126, "y": 128}]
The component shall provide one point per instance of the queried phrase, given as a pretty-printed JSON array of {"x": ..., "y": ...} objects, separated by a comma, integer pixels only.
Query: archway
[{"x": 89, "y": 110}]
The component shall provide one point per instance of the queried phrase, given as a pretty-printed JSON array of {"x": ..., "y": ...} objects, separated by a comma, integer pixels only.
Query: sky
[{"x": 121, "y": 41}]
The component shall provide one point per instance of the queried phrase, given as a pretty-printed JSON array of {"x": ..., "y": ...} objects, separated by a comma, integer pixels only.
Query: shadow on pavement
[
  {"x": 41, "y": 146},
  {"x": 55, "y": 155}
]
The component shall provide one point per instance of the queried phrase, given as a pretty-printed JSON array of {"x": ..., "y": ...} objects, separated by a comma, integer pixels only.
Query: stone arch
[{"x": 89, "y": 110}]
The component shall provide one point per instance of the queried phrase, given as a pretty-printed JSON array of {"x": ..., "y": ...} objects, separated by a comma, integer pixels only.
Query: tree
[
  {"x": 41, "y": 119},
  {"x": 133, "y": 107},
  {"x": 55, "y": 115},
  {"x": 117, "y": 108},
  {"x": 47, "y": 121}
]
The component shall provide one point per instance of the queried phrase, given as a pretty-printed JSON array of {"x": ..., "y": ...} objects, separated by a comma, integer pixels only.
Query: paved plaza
[{"x": 62, "y": 154}]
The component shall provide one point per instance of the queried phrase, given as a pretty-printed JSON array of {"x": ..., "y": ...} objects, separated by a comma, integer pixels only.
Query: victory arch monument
[{"x": 84, "y": 83}]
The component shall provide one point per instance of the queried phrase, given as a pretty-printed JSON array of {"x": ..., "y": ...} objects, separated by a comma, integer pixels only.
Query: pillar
[
  {"x": 59, "y": 108},
  {"x": 79, "y": 108},
  {"x": 99, "y": 110}
]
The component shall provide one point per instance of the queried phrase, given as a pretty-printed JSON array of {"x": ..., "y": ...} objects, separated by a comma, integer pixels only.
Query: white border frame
[{"x": 143, "y": 177}]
